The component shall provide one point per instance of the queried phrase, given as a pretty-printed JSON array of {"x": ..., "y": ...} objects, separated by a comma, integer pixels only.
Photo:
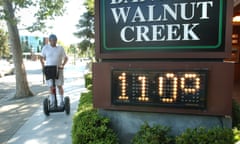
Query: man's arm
[
  {"x": 42, "y": 63},
  {"x": 65, "y": 60},
  {"x": 42, "y": 59}
]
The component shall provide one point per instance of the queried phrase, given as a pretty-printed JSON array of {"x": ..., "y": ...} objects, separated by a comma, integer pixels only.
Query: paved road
[{"x": 22, "y": 120}]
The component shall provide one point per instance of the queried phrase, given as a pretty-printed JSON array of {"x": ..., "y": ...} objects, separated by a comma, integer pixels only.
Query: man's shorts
[{"x": 59, "y": 81}]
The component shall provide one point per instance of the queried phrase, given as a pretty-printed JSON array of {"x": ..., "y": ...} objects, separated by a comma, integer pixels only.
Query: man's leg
[
  {"x": 61, "y": 93},
  {"x": 51, "y": 96}
]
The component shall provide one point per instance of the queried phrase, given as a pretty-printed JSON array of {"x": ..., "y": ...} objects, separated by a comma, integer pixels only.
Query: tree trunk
[{"x": 22, "y": 88}]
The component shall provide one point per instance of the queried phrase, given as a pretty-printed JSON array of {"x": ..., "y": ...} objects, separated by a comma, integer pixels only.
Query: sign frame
[
  {"x": 102, "y": 53},
  {"x": 219, "y": 88}
]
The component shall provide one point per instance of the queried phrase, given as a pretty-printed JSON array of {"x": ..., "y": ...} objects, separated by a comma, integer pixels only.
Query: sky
[{"x": 63, "y": 26}]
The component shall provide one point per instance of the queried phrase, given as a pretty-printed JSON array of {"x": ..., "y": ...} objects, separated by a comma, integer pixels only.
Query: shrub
[
  {"x": 235, "y": 114},
  {"x": 85, "y": 102},
  {"x": 91, "y": 128},
  {"x": 206, "y": 136},
  {"x": 88, "y": 79},
  {"x": 156, "y": 134},
  {"x": 236, "y": 134}
]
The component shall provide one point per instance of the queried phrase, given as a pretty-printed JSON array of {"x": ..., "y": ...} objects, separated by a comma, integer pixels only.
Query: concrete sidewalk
[
  {"x": 22, "y": 121},
  {"x": 56, "y": 128}
]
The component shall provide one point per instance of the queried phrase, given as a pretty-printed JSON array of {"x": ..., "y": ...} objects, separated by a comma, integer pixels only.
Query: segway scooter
[{"x": 51, "y": 72}]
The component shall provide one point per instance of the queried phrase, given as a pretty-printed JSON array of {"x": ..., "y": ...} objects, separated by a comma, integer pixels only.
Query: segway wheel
[
  {"x": 45, "y": 107},
  {"x": 67, "y": 105}
]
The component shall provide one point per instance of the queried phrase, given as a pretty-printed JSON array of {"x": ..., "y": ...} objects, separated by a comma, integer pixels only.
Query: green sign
[{"x": 162, "y": 25}]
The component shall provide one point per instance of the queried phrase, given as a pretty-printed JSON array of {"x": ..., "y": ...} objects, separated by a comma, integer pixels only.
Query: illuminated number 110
[{"x": 168, "y": 86}]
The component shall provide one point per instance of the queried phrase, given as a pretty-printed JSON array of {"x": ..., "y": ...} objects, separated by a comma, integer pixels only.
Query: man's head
[{"x": 53, "y": 39}]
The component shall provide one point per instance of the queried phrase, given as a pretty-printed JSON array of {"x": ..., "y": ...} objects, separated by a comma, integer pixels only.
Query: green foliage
[
  {"x": 206, "y": 136},
  {"x": 44, "y": 10},
  {"x": 88, "y": 126},
  {"x": 236, "y": 120},
  {"x": 235, "y": 114},
  {"x": 236, "y": 133},
  {"x": 85, "y": 102},
  {"x": 4, "y": 50},
  {"x": 22, "y": 3},
  {"x": 72, "y": 49},
  {"x": 153, "y": 135},
  {"x": 86, "y": 32},
  {"x": 47, "y": 10},
  {"x": 89, "y": 87},
  {"x": 91, "y": 128},
  {"x": 88, "y": 79},
  {"x": 90, "y": 6}
]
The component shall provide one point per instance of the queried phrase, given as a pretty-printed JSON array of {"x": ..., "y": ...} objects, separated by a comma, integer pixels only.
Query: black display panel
[{"x": 162, "y": 88}]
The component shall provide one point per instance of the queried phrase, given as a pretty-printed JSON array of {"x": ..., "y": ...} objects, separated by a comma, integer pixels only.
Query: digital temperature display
[{"x": 177, "y": 88}]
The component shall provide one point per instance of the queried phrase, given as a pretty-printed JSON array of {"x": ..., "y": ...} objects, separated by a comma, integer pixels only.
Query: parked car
[{"x": 6, "y": 68}]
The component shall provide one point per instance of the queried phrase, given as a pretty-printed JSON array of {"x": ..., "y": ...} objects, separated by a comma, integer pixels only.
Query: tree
[
  {"x": 47, "y": 9},
  {"x": 90, "y": 6},
  {"x": 86, "y": 30},
  {"x": 4, "y": 51}
]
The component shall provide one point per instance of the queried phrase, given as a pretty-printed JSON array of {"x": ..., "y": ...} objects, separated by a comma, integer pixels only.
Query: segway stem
[{"x": 55, "y": 93}]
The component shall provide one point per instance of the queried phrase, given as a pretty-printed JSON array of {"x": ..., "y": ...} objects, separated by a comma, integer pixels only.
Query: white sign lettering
[{"x": 166, "y": 15}]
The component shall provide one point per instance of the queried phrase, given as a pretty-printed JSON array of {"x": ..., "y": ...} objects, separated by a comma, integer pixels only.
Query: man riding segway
[{"x": 53, "y": 59}]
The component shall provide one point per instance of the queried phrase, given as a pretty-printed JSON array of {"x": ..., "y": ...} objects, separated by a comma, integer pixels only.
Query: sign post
[{"x": 163, "y": 56}]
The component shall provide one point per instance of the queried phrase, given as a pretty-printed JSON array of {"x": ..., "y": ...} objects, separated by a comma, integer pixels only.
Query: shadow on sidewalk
[{"x": 15, "y": 112}]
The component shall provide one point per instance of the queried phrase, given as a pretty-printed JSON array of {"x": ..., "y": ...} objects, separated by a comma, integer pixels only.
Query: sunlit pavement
[{"x": 38, "y": 128}]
